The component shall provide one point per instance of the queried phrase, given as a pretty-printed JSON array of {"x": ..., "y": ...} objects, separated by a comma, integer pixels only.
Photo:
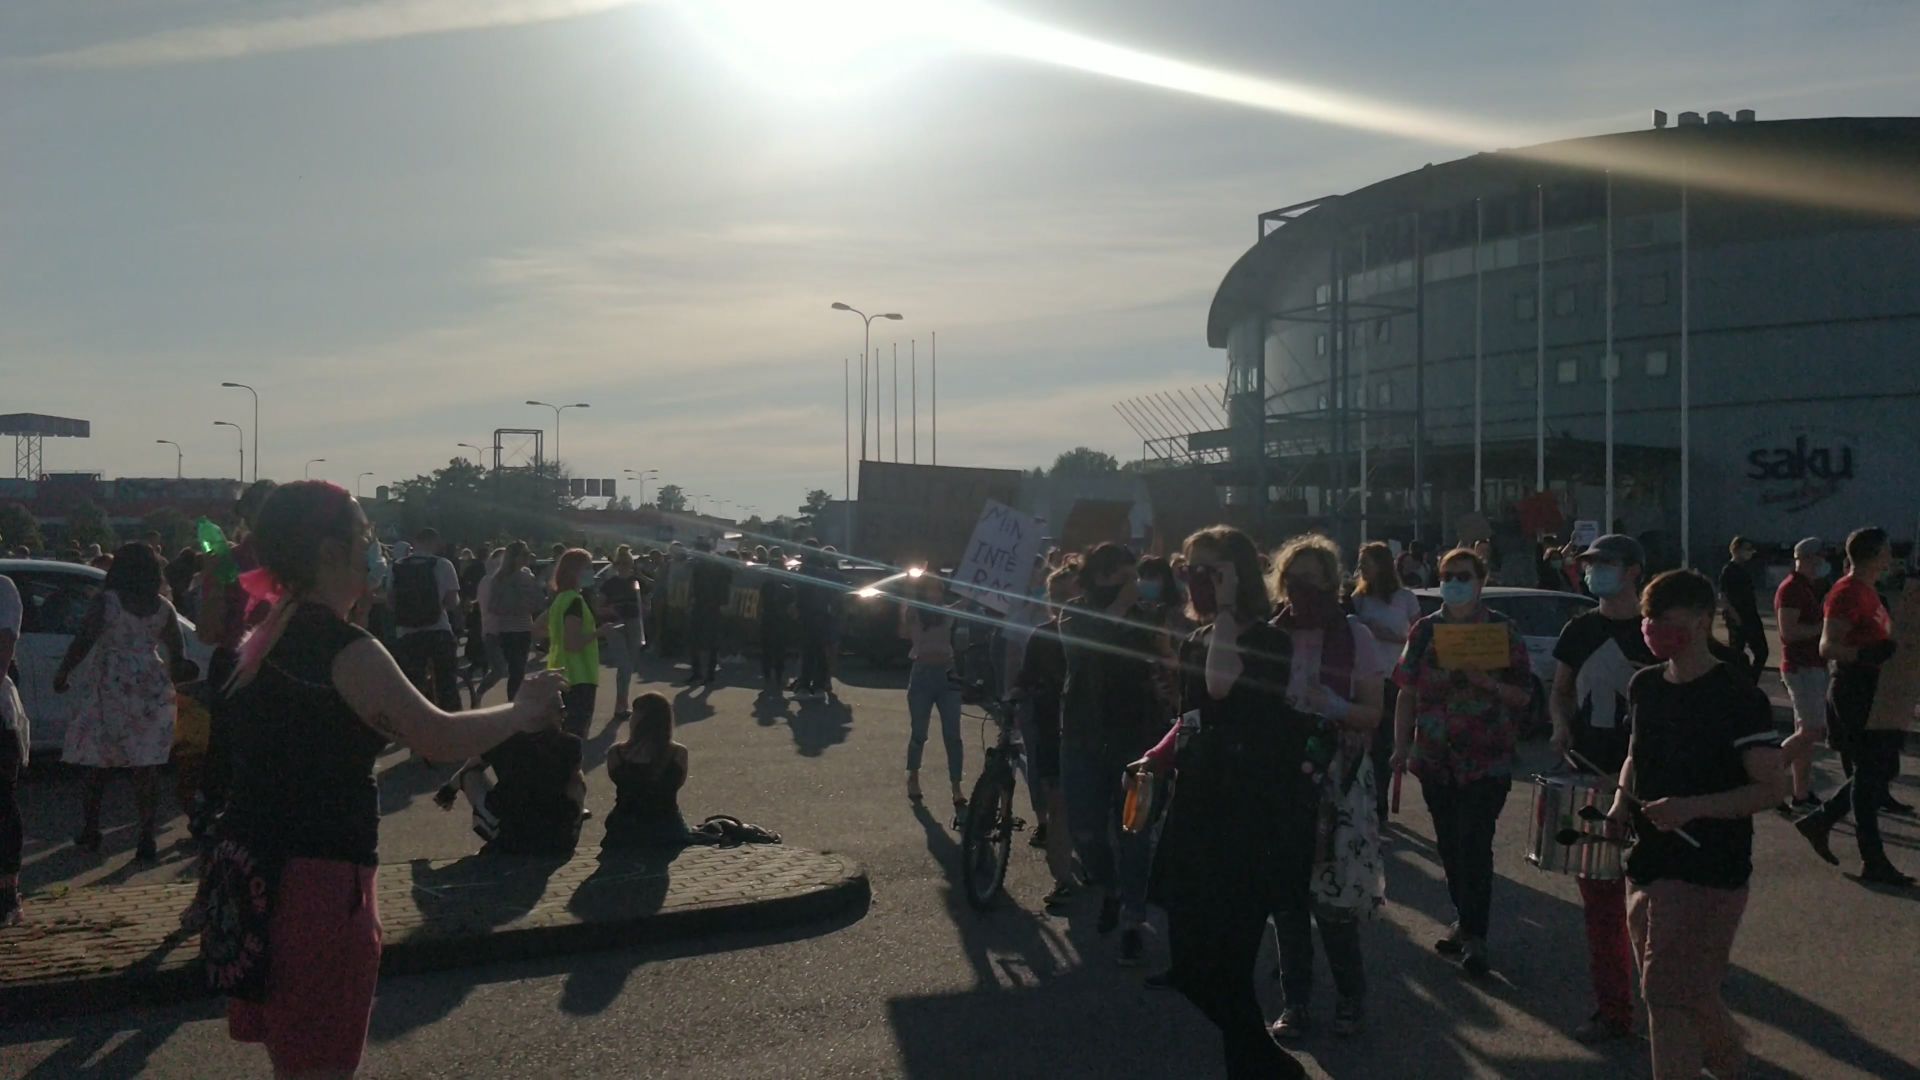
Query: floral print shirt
[{"x": 1461, "y": 733}]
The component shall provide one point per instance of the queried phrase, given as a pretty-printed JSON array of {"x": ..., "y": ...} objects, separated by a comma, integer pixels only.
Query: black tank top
[
  {"x": 647, "y": 791},
  {"x": 302, "y": 760}
]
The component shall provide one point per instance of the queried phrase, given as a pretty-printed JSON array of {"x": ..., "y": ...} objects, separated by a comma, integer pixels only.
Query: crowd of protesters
[{"x": 1285, "y": 694}]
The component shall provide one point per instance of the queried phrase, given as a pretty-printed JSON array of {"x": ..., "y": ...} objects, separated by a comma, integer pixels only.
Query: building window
[
  {"x": 1524, "y": 305},
  {"x": 1565, "y": 300},
  {"x": 1653, "y": 290},
  {"x": 1383, "y": 394},
  {"x": 1322, "y": 293},
  {"x": 1568, "y": 371},
  {"x": 1383, "y": 330},
  {"x": 1323, "y": 403},
  {"x": 1320, "y": 345},
  {"x": 1610, "y": 367},
  {"x": 1657, "y": 364},
  {"x": 1526, "y": 373}
]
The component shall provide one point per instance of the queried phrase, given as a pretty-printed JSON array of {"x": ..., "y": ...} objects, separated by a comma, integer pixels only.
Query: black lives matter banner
[{"x": 910, "y": 514}]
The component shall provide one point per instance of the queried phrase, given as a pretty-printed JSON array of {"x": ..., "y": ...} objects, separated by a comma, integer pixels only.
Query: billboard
[{"x": 924, "y": 513}]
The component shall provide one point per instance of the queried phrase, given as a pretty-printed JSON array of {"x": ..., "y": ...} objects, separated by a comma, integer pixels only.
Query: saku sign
[{"x": 1812, "y": 468}]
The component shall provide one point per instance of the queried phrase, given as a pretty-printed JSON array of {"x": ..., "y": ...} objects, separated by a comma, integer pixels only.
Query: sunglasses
[{"x": 1458, "y": 575}]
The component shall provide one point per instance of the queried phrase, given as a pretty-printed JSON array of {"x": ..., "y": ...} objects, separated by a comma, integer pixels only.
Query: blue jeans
[
  {"x": 928, "y": 687},
  {"x": 1114, "y": 859}
]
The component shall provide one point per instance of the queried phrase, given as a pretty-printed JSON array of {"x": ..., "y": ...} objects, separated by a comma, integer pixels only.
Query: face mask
[
  {"x": 1663, "y": 641},
  {"x": 1556, "y": 562},
  {"x": 1821, "y": 570},
  {"x": 1603, "y": 580},
  {"x": 1150, "y": 591},
  {"x": 1456, "y": 593}
]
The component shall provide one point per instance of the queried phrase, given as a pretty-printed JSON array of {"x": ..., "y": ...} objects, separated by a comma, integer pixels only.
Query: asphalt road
[{"x": 921, "y": 986}]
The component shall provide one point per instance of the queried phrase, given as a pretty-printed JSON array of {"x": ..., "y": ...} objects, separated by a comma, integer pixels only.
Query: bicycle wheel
[{"x": 986, "y": 841}]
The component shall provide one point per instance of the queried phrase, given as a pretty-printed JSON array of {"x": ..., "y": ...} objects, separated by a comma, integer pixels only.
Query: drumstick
[
  {"x": 1570, "y": 837},
  {"x": 1581, "y": 760}
]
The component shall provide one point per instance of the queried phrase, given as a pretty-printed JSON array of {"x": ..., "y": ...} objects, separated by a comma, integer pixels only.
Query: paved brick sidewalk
[{"x": 107, "y": 947}]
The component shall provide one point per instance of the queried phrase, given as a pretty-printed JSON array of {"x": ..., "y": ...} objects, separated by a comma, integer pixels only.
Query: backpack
[
  {"x": 416, "y": 593},
  {"x": 721, "y": 830}
]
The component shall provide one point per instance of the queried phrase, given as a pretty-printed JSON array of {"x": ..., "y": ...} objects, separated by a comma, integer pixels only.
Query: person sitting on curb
[
  {"x": 648, "y": 770},
  {"x": 538, "y": 798}
]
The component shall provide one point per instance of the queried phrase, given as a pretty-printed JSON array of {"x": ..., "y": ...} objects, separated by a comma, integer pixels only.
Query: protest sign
[
  {"x": 1472, "y": 646},
  {"x": 1585, "y": 533},
  {"x": 998, "y": 564}
]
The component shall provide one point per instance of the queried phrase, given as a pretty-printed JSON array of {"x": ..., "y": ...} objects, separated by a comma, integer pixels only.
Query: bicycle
[{"x": 986, "y": 837}]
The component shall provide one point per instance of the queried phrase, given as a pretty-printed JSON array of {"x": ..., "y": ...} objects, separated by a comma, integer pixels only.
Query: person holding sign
[{"x": 1465, "y": 682}]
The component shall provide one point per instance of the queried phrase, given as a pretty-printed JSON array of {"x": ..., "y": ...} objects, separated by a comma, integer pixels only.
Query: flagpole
[
  {"x": 1366, "y": 405},
  {"x": 1606, "y": 358},
  {"x": 1540, "y": 339},
  {"x": 1479, "y": 357},
  {"x": 913, "y": 382},
  {"x": 1686, "y": 394}
]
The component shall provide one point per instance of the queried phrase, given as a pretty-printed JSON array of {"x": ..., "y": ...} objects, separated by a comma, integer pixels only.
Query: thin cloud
[{"x": 348, "y": 25}]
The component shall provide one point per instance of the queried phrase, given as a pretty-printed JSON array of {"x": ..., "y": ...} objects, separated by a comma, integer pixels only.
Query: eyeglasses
[{"x": 1458, "y": 575}]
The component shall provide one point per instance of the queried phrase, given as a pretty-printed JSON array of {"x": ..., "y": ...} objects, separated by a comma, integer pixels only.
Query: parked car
[
  {"x": 1540, "y": 615},
  {"x": 54, "y": 598}
]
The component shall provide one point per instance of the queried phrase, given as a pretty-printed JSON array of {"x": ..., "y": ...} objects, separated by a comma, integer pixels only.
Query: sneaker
[
  {"x": 1451, "y": 944},
  {"x": 1109, "y": 914},
  {"x": 1815, "y": 829},
  {"x": 146, "y": 851},
  {"x": 1062, "y": 895},
  {"x": 1473, "y": 956},
  {"x": 1884, "y": 873},
  {"x": 12, "y": 916},
  {"x": 1292, "y": 1026},
  {"x": 1133, "y": 947},
  {"x": 1891, "y": 805},
  {"x": 1597, "y": 1030},
  {"x": 913, "y": 788},
  {"x": 1800, "y": 807},
  {"x": 1349, "y": 1018}
]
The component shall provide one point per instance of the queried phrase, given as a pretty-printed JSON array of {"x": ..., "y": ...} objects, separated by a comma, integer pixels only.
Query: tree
[
  {"x": 620, "y": 504},
  {"x": 175, "y": 530},
  {"x": 19, "y": 528},
  {"x": 671, "y": 499},
  {"x": 87, "y": 524},
  {"x": 818, "y": 500},
  {"x": 1085, "y": 461},
  {"x": 471, "y": 506}
]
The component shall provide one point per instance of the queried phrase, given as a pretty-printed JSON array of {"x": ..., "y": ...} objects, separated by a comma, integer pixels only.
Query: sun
[{"x": 826, "y": 48}]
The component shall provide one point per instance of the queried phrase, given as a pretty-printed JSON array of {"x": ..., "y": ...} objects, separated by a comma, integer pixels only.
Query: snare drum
[{"x": 1556, "y": 805}]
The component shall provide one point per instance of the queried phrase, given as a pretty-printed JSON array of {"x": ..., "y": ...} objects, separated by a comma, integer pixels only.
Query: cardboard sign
[
  {"x": 1585, "y": 533},
  {"x": 998, "y": 563},
  {"x": 1472, "y": 526},
  {"x": 1897, "y": 694},
  {"x": 1472, "y": 646}
]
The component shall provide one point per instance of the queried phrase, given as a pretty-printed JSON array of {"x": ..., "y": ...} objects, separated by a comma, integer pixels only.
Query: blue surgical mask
[
  {"x": 1821, "y": 570},
  {"x": 1603, "y": 580},
  {"x": 1150, "y": 591},
  {"x": 1456, "y": 593}
]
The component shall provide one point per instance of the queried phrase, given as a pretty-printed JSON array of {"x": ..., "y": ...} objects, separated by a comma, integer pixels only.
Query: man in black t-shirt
[
  {"x": 1599, "y": 653},
  {"x": 1702, "y": 760},
  {"x": 536, "y": 802},
  {"x": 706, "y": 603},
  {"x": 1739, "y": 600}
]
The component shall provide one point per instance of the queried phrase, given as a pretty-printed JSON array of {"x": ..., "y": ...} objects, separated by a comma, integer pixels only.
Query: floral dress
[{"x": 122, "y": 693}]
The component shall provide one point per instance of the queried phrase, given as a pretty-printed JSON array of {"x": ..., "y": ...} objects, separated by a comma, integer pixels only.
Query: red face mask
[{"x": 1664, "y": 641}]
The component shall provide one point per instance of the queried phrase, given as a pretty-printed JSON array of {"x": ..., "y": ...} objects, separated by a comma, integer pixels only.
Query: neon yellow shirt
[{"x": 582, "y": 668}]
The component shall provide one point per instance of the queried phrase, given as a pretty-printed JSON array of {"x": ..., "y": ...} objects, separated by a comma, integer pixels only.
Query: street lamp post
[
  {"x": 477, "y": 451},
  {"x": 359, "y": 489},
  {"x": 179, "y": 457},
  {"x": 557, "y": 410},
  {"x": 866, "y": 350},
  {"x": 241, "y": 436},
  {"x": 306, "y": 471},
  {"x": 256, "y": 424},
  {"x": 641, "y": 476}
]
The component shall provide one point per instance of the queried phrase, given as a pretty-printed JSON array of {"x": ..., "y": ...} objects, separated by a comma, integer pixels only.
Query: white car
[
  {"x": 1540, "y": 615},
  {"x": 54, "y": 597}
]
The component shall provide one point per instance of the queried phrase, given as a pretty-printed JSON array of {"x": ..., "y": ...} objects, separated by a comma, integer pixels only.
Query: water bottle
[
  {"x": 213, "y": 544},
  {"x": 1139, "y": 805}
]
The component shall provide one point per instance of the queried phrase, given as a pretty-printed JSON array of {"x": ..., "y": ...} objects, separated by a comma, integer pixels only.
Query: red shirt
[
  {"x": 1855, "y": 601},
  {"x": 1796, "y": 592}
]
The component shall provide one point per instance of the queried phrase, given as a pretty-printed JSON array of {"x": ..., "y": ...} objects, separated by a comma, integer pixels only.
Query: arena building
[{"x": 1689, "y": 331}]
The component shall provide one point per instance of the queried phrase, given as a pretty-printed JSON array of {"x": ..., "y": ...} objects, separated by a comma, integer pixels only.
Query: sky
[{"x": 401, "y": 219}]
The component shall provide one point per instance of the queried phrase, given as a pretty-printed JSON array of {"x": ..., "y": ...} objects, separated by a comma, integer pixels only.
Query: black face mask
[{"x": 1102, "y": 596}]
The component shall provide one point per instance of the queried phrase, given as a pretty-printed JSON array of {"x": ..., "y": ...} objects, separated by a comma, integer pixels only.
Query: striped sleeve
[{"x": 1752, "y": 723}]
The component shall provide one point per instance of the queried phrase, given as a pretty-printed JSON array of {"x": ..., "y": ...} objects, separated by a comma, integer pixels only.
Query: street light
[
  {"x": 306, "y": 471},
  {"x": 241, "y": 435},
  {"x": 477, "y": 451},
  {"x": 642, "y": 477},
  {"x": 866, "y": 322},
  {"x": 256, "y": 424},
  {"x": 557, "y": 410},
  {"x": 179, "y": 456},
  {"x": 359, "y": 491}
]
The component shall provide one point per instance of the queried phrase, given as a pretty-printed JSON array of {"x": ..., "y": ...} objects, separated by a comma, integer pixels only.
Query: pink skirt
[{"x": 324, "y": 941}]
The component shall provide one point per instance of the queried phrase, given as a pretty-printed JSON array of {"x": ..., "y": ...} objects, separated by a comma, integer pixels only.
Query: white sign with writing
[
  {"x": 999, "y": 559},
  {"x": 1585, "y": 533}
]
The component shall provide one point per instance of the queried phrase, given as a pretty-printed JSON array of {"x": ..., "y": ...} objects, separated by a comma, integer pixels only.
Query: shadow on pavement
[{"x": 819, "y": 726}]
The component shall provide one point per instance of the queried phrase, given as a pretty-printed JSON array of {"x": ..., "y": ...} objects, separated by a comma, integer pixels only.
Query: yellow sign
[{"x": 1472, "y": 646}]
